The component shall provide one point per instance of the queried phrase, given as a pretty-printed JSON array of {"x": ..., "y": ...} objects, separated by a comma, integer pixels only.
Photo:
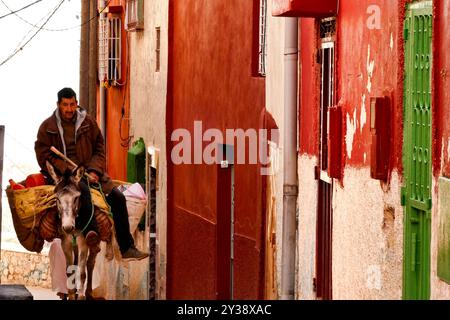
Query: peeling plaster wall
[
  {"x": 367, "y": 216},
  {"x": 373, "y": 70},
  {"x": 367, "y": 234},
  {"x": 441, "y": 101},
  {"x": 148, "y": 92}
]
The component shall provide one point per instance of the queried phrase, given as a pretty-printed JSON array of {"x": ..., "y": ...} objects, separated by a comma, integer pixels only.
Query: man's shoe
[{"x": 133, "y": 254}]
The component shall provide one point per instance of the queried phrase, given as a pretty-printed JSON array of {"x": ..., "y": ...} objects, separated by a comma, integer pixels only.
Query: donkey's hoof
[
  {"x": 72, "y": 296},
  {"x": 62, "y": 296}
]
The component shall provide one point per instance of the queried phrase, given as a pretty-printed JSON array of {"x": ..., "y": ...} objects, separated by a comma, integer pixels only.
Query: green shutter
[{"x": 416, "y": 194}]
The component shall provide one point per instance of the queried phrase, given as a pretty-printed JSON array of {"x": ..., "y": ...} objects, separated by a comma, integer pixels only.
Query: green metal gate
[{"x": 416, "y": 194}]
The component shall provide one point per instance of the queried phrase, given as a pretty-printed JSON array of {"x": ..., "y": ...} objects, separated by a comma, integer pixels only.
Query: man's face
[{"x": 67, "y": 108}]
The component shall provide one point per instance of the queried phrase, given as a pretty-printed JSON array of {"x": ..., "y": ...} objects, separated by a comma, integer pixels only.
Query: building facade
[{"x": 373, "y": 144}]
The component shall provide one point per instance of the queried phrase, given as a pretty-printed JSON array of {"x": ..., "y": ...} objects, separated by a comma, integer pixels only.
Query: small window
[
  {"x": 103, "y": 49},
  {"x": 158, "y": 49},
  {"x": 115, "y": 50},
  {"x": 135, "y": 15},
  {"x": 262, "y": 37}
]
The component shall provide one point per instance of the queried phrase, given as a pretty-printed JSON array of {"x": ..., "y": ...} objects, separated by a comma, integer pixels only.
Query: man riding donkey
[{"x": 71, "y": 130}]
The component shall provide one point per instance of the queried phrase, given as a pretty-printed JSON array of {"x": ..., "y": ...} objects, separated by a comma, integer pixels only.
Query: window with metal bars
[
  {"x": 115, "y": 50},
  {"x": 103, "y": 49},
  {"x": 110, "y": 50},
  {"x": 262, "y": 37},
  {"x": 327, "y": 82},
  {"x": 327, "y": 27},
  {"x": 135, "y": 15}
]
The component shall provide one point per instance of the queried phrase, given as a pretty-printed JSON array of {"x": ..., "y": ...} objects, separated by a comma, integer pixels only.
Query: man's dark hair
[{"x": 66, "y": 93}]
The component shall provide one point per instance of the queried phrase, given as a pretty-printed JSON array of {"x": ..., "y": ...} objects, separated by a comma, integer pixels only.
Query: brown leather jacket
[{"x": 90, "y": 147}]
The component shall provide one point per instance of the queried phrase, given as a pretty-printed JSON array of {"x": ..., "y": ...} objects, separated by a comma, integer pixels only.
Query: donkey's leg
[
  {"x": 66, "y": 244},
  {"x": 93, "y": 251},
  {"x": 82, "y": 260},
  {"x": 109, "y": 252}
]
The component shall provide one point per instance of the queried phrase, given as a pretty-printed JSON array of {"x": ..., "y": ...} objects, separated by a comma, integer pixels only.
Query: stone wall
[{"x": 28, "y": 269}]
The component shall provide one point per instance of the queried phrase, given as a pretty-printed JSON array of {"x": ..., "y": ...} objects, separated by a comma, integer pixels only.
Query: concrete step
[{"x": 14, "y": 292}]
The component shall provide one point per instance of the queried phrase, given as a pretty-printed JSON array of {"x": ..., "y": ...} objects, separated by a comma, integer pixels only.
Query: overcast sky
[{"x": 30, "y": 81}]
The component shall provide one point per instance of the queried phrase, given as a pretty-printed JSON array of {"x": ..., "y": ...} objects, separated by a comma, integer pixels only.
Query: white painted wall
[
  {"x": 148, "y": 90},
  {"x": 307, "y": 218},
  {"x": 367, "y": 238}
]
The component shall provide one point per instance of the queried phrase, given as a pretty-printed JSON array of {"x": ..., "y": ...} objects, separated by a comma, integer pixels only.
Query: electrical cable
[
  {"x": 21, "y": 143},
  {"x": 18, "y": 10},
  {"x": 34, "y": 35},
  {"x": 61, "y": 29},
  {"x": 125, "y": 142}
]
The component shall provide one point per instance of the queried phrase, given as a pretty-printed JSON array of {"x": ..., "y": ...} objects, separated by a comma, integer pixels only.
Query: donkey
[{"x": 68, "y": 192}]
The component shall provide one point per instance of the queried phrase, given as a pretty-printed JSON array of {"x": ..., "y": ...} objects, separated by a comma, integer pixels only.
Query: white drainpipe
[{"x": 290, "y": 187}]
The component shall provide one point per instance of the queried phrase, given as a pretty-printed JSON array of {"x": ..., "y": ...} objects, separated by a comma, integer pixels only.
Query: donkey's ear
[
  {"x": 52, "y": 172},
  {"x": 78, "y": 174}
]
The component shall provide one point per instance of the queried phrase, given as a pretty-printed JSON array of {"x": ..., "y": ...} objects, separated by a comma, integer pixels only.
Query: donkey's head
[{"x": 67, "y": 191}]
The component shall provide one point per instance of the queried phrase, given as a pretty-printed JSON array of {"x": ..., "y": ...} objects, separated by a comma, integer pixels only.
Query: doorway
[{"x": 325, "y": 213}]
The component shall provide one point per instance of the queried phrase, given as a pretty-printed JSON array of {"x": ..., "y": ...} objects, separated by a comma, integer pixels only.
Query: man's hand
[{"x": 93, "y": 177}]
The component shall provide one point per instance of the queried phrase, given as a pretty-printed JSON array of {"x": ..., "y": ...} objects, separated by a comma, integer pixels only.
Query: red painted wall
[
  {"x": 353, "y": 40},
  {"x": 210, "y": 80},
  {"x": 442, "y": 86},
  {"x": 117, "y": 98},
  {"x": 309, "y": 88},
  {"x": 352, "y": 76}
]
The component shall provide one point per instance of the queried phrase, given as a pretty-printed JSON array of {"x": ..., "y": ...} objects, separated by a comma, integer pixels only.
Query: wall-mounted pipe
[{"x": 290, "y": 185}]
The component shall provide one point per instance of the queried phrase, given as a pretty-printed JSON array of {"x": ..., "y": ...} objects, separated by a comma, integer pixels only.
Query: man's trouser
[{"x": 119, "y": 210}]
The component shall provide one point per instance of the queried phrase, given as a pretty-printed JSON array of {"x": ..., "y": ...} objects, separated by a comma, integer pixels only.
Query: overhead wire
[
  {"x": 18, "y": 10},
  {"x": 60, "y": 29},
  {"x": 15, "y": 165},
  {"x": 27, "y": 148},
  {"x": 21, "y": 47}
]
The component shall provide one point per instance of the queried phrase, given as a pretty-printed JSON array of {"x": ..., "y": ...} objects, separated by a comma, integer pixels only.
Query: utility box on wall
[
  {"x": 304, "y": 8},
  {"x": 380, "y": 129},
  {"x": 335, "y": 142},
  {"x": 136, "y": 162}
]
